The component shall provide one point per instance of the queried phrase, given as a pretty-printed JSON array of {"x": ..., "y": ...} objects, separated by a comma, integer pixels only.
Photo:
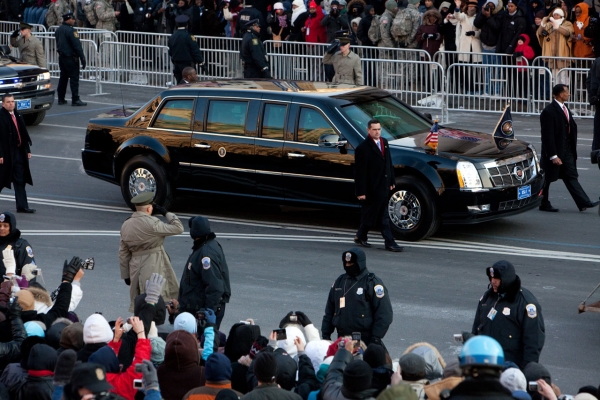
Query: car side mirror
[
  {"x": 331, "y": 140},
  {"x": 428, "y": 116}
]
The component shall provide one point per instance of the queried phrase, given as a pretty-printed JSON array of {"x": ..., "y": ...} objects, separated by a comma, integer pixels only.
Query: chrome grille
[
  {"x": 502, "y": 173},
  {"x": 20, "y": 84},
  {"x": 513, "y": 204}
]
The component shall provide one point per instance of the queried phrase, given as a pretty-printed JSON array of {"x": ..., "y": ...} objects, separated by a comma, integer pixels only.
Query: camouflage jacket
[
  {"x": 409, "y": 15},
  {"x": 106, "y": 16},
  {"x": 385, "y": 26}
]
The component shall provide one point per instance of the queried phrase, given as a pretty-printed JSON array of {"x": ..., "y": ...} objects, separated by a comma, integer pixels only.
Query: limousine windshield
[{"x": 397, "y": 121}]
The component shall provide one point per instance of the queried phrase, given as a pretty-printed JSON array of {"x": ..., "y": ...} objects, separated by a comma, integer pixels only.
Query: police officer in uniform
[
  {"x": 358, "y": 302},
  {"x": 17, "y": 254},
  {"x": 30, "y": 47},
  {"x": 205, "y": 279},
  {"x": 254, "y": 56},
  {"x": 141, "y": 250},
  {"x": 183, "y": 48},
  {"x": 512, "y": 315},
  {"x": 70, "y": 54},
  {"x": 346, "y": 63},
  {"x": 247, "y": 14}
]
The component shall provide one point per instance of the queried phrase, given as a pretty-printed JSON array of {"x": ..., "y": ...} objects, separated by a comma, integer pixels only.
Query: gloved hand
[
  {"x": 149, "y": 372},
  {"x": 376, "y": 340},
  {"x": 15, "y": 33},
  {"x": 153, "y": 287},
  {"x": 517, "y": 54},
  {"x": 211, "y": 317},
  {"x": 127, "y": 281},
  {"x": 286, "y": 320},
  {"x": 466, "y": 336},
  {"x": 203, "y": 67},
  {"x": 83, "y": 64},
  {"x": 5, "y": 293},
  {"x": 510, "y": 50},
  {"x": 593, "y": 100},
  {"x": 71, "y": 269},
  {"x": 326, "y": 337},
  {"x": 302, "y": 318},
  {"x": 544, "y": 33},
  {"x": 424, "y": 36},
  {"x": 64, "y": 366},
  {"x": 159, "y": 209},
  {"x": 8, "y": 257},
  {"x": 431, "y": 36},
  {"x": 470, "y": 33},
  {"x": 27, "y": 271},
  {"x": 333, "y": 47},
  {"x": 266, "y": 73},
  {"x": 15, "y": 310}
]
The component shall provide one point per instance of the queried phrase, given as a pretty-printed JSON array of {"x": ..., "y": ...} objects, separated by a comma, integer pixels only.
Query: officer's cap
[
  {"x": 143, "y": 199},
  {"x": 24, "y": 25},
  {"x": 343, "y": 36},
  {"x": 252, "y": 22},
  {"x": 182, "y": 19},
  {"x": 68, "y": 16}
]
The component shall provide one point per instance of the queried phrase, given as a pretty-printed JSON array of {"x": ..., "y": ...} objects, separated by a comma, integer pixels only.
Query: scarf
[
  {"x": 282, "y": 21},
  {"x": 297, "y": 11},
  {"x": 129, "y": 9}
]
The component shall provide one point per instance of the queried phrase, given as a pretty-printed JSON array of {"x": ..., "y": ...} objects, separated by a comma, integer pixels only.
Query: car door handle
[
  {"x": 202, "y": 145},
  {"x": 296, "y": 155}
]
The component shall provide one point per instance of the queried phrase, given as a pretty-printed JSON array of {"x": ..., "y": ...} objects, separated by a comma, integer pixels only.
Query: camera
[
  {"x": 356, "y": 336},
  {"x": 138, "y": 383},
  {"x": 88, "y": 263},
  {"x": 458, "y": 338},
  {"x": 201, "y": 314},
  {"x": 280, "y": 334},
  {"x": 36, "y": 271},
  {"x": 544, "y": 33},
  {"x": 533, "y": 386},
  {"x": 293, "y": 317}
]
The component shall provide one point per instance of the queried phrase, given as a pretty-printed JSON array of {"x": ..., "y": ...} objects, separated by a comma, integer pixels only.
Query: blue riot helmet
[{"x": 482, "y": 354}]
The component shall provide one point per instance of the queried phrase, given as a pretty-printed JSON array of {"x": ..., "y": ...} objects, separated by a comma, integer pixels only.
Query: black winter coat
[
  {"x": 307, "y": 380},
  {"x": 126, "y": 19},
  {"x": 363, "y": 28},
  {"x": 248, "y": 14},
  {"x": 512, "y": 27},
  {"x": 490, "y": 28},
  {"x": 10, "y": 351},
  {"x": 555, "y": 133},
  {"x": 9, "y": 149},
  {"x": 489, "y": 389},
  {"x": 333, "y": 386},
  {"x": 141, "y": 22},
  {"x": 334, "y": 24},
  {"x": 21, "y": 247},
  {"x": 211, "y": 24}
]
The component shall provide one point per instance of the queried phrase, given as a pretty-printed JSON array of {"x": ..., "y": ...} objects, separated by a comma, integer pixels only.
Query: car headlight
[
  {"x": 468, "y": 177},
  {"x": 44, "y": 76},
  {"x": 535, "y": 157}
]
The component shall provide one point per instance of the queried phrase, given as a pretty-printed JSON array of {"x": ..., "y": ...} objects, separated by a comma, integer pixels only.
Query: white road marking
[{"x": 64, "y": 126}]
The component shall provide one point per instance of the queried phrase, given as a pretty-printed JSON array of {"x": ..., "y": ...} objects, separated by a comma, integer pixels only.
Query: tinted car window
[
  {"x": 175, "y": 114},
  {"x": 227, "y": 117},
  {"x": 312, "y": 125},
  {"x": 273, "y": 122},
  {"x": 397, "y": 121}
]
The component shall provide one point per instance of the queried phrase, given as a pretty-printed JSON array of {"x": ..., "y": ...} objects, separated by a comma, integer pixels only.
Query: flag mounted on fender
[
  {"x": 504, "y": 133},
  {"x": 432, "y": 137}
]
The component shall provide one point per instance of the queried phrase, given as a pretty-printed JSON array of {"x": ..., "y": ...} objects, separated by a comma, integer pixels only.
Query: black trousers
[
  {"x": 251, "y": 71},
  {"x": 568, "y": 173},
  {"x": 596, "y": 138},
  {"x": 365, "y": 227},
  {"x": 18, "y": 180},
  {"x": 69, "y": 70}
]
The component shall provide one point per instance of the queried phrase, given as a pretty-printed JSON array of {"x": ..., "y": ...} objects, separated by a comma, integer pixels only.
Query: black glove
[
  {"x": 14, "y": 311},
  {"x": 203, "y": 67},
  {"x": 159, "y": 209},
  {"x": 83, "y": 64},
  {"x": 466, "y": 336},
  {"x": 470, "y": 33},
  {"x": 302, "y": 318},
  {"x": 286, "y": 320},
  {"x": 424, "y": 36},
  {"x": 266, "y": 73},
  {"x": 509, "y": 50},
  {"x": 127, "y": 281},
  {"x": 593, "y": 100},
  {"x": 15, "y": 33},
  {"x": 71, "y": 269},
  {"x": 333, "y": 47},
  {"x": 431, "y": 36},
  {"x": 64, "y": 366},
  {"x": 544, "y": 33},
  {"x": 518, "y": 54},
  {"x": 376, "y": 340},
  {"x": 326, "y": 337}
]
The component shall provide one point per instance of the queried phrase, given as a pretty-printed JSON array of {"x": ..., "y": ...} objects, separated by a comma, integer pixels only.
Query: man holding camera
[
  {"x": 205, "y": 280},
  {"x": 141, "y": 250},
  {"x": 346, "y": 64},
  {"x": 356, "y": 299}
]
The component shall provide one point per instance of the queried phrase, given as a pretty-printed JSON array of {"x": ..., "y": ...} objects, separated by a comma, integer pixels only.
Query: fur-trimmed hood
[
  {"x": 359, "y": 4},
  {"x": 434, "y": 360},
  {"x": 40, "y": 295},
  {"x": 434, "y": 13}
]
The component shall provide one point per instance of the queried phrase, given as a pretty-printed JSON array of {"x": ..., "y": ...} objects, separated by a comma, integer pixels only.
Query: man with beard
[{"x": 355, "y": 298}]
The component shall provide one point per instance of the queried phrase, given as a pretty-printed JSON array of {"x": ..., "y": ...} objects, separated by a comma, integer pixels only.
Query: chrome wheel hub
[
  {"x": 141, "y": 180},
  {"x": 404, "y": 210}
]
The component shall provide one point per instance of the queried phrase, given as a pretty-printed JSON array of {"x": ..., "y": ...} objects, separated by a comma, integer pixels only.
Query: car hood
[
  {"x": 13, "y": 69},
  {"x": 453, "y": 143}
]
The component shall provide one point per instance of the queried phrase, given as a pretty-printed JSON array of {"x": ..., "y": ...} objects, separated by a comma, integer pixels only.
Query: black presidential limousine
[{"x": 293, "y": 143}]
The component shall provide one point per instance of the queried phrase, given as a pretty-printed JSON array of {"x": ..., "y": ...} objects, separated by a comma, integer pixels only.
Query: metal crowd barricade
[
  {"x": 578, "y": 101},
  {"x": 221, "y": 57},
  {"x": 527, "y": 88},
  {"x": 8, "y": 26},
  {"x": 142, "y": 38}
]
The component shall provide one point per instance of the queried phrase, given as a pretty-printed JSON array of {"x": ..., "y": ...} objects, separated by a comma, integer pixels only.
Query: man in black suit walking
[
  {"x": 559, "y": 150},
  {"x": 374, "y": 178}
]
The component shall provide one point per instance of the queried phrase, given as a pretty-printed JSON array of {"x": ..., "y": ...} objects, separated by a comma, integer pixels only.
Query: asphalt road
[{"x": 284, "y": 259}]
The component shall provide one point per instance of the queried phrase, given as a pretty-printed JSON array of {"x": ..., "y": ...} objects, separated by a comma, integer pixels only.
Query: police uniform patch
[
  {"x": 491, "y": 272},
  {"x": 531, "y": 310},
  {"x": 348, "y": 257},
  {"x": 506, "y": 311},
  {"x": 379, "y": 291},
  {"x": 2, "y": 217},
  {"x": 255, "y": 42},
  {"x": 193, "y": 38},
  {"x": 359, "y": 291},
  {"x": 29, "y": 251},
  {"x": 189, "y": 266},
  {"x": 206, "y": 262},
  {"x": 141, "y": 9},
  {"x": 76, "y": 34}
]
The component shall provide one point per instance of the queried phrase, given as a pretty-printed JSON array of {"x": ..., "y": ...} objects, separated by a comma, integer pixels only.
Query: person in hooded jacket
[
  {"x": 357, "y": 302},
  {"x": 266, "y": 369},
  {"x": 143, "y": 20},
  {"x": 368, "y": 67},
  {"x": 510, "y": 314},
  {"x": 489, "y": 20},
  {"x": 96, "y": 334},
  {"x": 21, "y": 255},
  {"x": 205, "y": 279},
  {"x": 279, "y": 23},
  {"x": 11, "y": 350},
  {"x": 428, "y": 34},
  {"x": 583, "y": 46},
  {"x": 14, "y": 374},
  {"x": 514, "y": 23},
  {"x": 39, "y": 384},
  {"x": 298, "y": 20},
  {"x": 379, "y": 360}
]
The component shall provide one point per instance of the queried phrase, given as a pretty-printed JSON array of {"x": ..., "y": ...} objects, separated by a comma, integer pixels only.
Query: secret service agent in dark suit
[
  {"x": 70, "y": 54},
  {"x": 252, "y": 52},
  {"x": 14, "y": 153},
  {"x": 559, "y": 150},
  {"x": 374, "y": 178},
  {"x": 183, "y": 48}
]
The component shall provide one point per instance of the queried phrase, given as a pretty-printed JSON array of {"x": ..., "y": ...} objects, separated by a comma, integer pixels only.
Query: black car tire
[
  {"x": 34, "y": 119},
  {"x": 146, "y": 174},
  {"x": 412, "y": 210}
]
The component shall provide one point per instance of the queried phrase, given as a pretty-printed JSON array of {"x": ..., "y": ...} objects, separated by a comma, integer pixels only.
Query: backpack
[
  {"x": 402, "y": 25},
  {"x": 374, "y": 30},
  {"x": 90, "y": 12}
]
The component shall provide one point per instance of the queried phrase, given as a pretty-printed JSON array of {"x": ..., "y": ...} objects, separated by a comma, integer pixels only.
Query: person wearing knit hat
[
  {"x": 413, "y": 369},
  {"x": 33, "y": 328},
  {"x": 16, "y": 251},
  {"x": 378, "y": 359},
  {"x": 513, "y": 24},
  {"x": 513, "y": 379},
  {"x": 158, "y": 350},
  {"x": 186, "y": 322},
  {"x": 385, "y": 24},
  {"x": 556, "y": 43},
  {"x": 205, "y": 280},
  {"x": 96, "y": 334},
  {"x": 40, "y": 373},
  {"x": 217, "y": 371},
  {"x": 71, "y": 337},
  {"x": 265, "y": 370},
  {"x": 516, "y": 315}
]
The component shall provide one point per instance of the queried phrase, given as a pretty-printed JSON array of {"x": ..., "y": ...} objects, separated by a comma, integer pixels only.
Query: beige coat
[
  {"x": 141, "y": 253},
  {"x": 32, "y": 51},
  {"x": 106, "y": 16},
  {"x": 347, "y": 68},
  {"x": 467, "y": 44},
  {"x": 559, "y": 44}
]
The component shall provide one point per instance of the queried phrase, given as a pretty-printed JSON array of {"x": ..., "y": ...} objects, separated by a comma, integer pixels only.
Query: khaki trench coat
[
  {"x": 32, "y": 51},
  {"x": 347, "y": 68}
]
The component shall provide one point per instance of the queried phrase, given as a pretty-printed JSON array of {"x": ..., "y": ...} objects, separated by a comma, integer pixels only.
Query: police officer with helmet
[
  {"x": 510, "y": 314},
  {"x": 70, "y": 54},
  {"x": 254, "y": 56},
  {"x": 183, "y": 48},
  {"x": 358, "y": 302}
]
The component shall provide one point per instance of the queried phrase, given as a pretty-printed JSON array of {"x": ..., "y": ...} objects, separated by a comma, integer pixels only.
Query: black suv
[{"x": 293, "y": 142}]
